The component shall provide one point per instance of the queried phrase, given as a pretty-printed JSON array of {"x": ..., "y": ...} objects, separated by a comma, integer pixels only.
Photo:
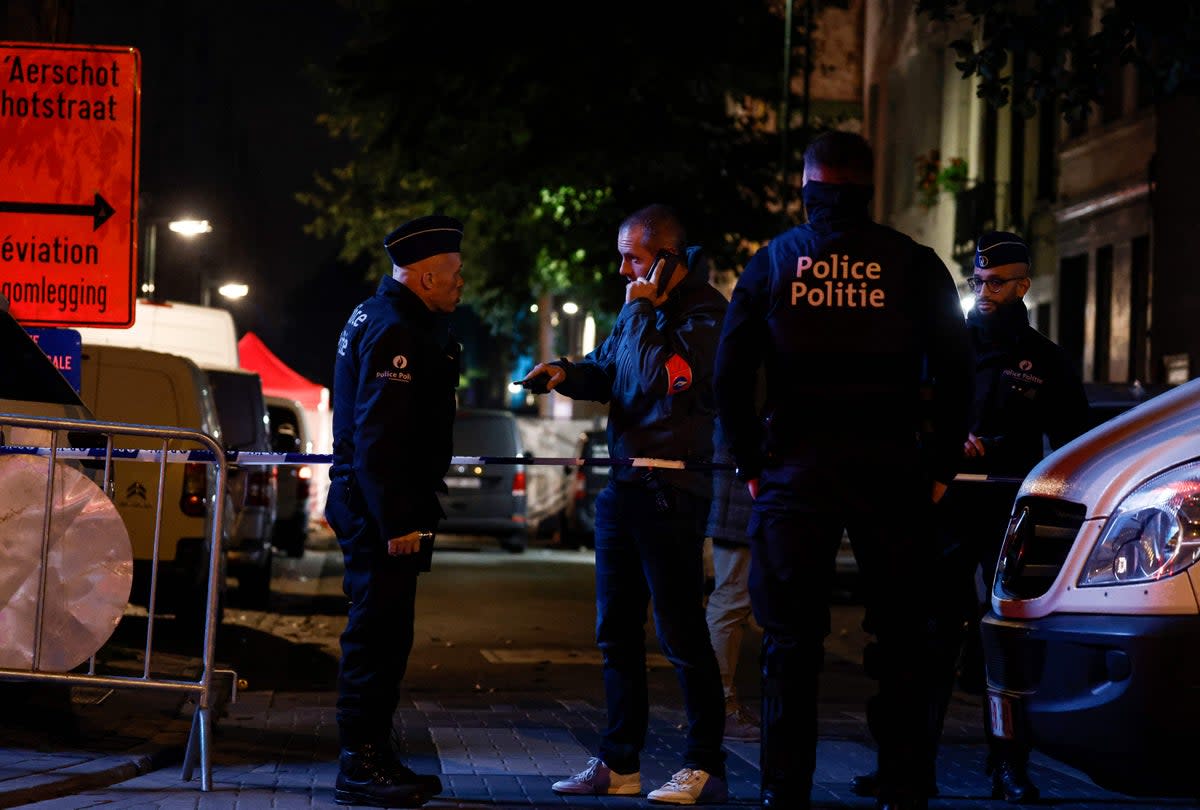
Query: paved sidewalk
[{"x": 277, "y": 750}]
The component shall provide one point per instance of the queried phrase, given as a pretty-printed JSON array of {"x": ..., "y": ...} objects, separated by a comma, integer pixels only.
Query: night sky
[{"x": 229, "y": 134}]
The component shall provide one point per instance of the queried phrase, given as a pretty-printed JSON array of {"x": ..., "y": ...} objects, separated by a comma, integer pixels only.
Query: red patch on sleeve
[{"x": 679, "y": 375}]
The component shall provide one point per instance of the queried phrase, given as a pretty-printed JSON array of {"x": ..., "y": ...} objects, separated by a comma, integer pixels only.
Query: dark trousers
[
  {"x": 972, "y": 521},
  {"x": 648, "y": 554},
  {"x": 378, "y": 637},
  {"x": 884, "y": 508}
]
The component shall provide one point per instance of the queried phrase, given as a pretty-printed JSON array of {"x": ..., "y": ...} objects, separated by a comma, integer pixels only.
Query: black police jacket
[
  {"x": 861, "y": 335},
  {"x": 1025, "y": 389},
  {"x": 393, "y": 408},
  {"x": 655, "y": 370}
]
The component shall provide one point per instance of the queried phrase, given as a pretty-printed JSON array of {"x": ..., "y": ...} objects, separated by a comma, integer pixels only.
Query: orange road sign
[{"x": 70, "y": 119}]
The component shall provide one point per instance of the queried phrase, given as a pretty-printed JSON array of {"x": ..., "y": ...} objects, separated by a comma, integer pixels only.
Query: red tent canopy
[{"x": 278, "y": 378}]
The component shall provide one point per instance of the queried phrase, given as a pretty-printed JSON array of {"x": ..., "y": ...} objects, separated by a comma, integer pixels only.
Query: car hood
[{"x": 1101, "y": 466}]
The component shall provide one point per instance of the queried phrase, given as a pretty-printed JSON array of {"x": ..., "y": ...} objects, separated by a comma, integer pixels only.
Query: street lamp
[
  {"x": 188, "y": 228},
  {"x": 230, "y": 289}
]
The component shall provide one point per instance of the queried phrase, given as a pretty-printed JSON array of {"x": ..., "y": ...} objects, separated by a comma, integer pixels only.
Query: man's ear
[{"x": 427, "y": 280}]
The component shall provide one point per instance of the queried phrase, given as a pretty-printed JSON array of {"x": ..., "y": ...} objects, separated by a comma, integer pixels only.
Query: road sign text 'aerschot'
[{"x": 69, "y": 130}]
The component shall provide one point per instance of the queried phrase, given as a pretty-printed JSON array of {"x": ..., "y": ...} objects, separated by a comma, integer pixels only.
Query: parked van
[
  {"x": 1093, "y": 639},
  {"x": 289, "y": 434},
  {"x": 242, "y": 414},
  {"x": 206, "y": 335},
  {"x": 487, "y": 499},
  {"x": 141, "y": 387}
]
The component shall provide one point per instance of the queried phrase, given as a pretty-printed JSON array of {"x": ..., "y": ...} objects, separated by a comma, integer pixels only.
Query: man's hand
[
  {"x": 973, "y": 446},
  {"x": 554, "y": 375},
  {"x": 405, "y": 544},
  {"x": 643, "y": 288}
]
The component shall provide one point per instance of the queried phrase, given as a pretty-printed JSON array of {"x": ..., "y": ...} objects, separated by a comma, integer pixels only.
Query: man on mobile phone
[{"x": 655, "y": 371}]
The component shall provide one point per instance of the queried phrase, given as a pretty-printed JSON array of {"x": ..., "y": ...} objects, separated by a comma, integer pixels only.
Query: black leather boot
[
  {"x": 369, "y": 775},
  {"x": 1011, "y": 783}
]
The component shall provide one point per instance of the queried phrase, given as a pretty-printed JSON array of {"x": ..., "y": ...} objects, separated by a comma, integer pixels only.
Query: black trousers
[
  {"x": 972, "y": 520},
  {"x": 378, "y": 636},
  {"x": 883, "y": 503}
]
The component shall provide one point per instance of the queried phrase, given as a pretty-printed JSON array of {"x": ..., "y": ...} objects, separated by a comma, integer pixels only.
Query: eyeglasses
[{"x": 995, "y": 285}]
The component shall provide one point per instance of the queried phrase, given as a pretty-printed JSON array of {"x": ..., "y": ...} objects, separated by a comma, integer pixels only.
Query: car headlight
[{"x": 1154, "y": 532}]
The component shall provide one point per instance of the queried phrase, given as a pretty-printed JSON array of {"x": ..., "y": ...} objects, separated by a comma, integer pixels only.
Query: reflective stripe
[{"x": 679, "y": 375}]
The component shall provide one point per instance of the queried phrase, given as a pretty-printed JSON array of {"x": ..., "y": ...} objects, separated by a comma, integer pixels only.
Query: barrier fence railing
[{"x": 201, "y": 689}]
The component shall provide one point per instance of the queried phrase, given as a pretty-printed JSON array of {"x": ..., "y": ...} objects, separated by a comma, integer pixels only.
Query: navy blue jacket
[
  {"x": 1025, "y": 388},
  {"x": 656, "y": 370},
  {"x": 393, "y": 409},
  {"x": 861, "y": 335}
]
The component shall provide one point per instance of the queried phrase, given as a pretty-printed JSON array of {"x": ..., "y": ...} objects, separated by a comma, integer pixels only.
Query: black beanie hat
[
  {"x": 1001, "y": 247},
  {"x": 423, "y": 237}
]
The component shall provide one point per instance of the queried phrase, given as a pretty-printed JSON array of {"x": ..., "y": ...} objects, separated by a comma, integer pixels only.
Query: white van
[
  {"x": 141, "y": 387},
  {"x": 206, "y": 335},
  {"x": 1093, "y": 639}
]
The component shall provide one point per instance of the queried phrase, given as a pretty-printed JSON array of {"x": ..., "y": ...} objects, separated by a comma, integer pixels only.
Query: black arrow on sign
[{"x": 99, "y": 210}]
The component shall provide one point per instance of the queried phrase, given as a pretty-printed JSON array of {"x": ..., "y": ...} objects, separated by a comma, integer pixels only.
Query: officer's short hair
[{"x": 845, "y": 152}]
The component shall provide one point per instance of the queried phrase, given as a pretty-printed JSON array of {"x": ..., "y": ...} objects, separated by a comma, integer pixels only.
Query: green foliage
[
  {"x": 1029, "y": 51},
  {"x": 542, "y": 142}
]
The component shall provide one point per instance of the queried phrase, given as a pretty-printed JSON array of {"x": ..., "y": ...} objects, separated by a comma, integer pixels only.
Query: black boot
[
  {"x": 1011, "y": 783},
  {"x": 369, "y": 775}
]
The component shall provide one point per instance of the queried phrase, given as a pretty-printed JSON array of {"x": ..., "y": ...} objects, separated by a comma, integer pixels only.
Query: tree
[
  {"x": 1052, "y": 54},
  {"x": 542, "y": 136}
]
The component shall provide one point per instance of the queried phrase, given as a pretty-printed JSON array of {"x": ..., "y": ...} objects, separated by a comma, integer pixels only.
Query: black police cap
[
  {"x": 423, "y": 237},
  {"x": 995, "y": 248}
]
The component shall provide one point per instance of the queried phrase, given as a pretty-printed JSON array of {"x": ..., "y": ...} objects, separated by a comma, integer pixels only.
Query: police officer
[
  {"x": 853, "y": 323},
  {"x": 655, "y": 371},
  {"x": 1027, "y": 393},
  {"x": 394, "y": 385}
]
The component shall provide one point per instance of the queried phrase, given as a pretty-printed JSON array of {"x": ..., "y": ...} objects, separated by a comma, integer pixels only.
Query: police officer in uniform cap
[
  {"x": 1026, "y": 393},
  {"x": 395, "y": 376},
  {"x": 852, "y": 321}
]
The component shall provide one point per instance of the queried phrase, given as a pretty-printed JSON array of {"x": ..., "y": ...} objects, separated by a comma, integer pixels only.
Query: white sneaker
[
  {"x": 597, "y": 779},
  {"x": 691, "y": 786}
]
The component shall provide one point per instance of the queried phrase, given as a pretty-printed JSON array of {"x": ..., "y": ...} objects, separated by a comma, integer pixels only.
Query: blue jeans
[{"x": 645, "y": 553}]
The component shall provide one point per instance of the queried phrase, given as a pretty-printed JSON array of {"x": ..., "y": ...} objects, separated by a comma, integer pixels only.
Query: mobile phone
[
  {"x": 535, "y": 385},
  {"x": 660, "y": 271}
]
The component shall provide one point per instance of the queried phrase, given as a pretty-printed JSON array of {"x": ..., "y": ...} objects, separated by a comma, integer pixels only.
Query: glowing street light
[
  {"x": 190, "y": 227},
  {"x": 230, "y": 289},
  {"x": 233, "y": 290}
]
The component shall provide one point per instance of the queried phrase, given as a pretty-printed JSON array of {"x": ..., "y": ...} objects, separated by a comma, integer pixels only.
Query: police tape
[{"x": 248, "y": 458}]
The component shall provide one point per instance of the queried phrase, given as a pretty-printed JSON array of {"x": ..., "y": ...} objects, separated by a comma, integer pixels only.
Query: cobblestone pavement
[{"x": 499, "y": 714}]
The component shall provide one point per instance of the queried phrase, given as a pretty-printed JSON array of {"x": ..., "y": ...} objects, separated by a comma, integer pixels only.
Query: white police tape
[{"x": 246, "y": 458}]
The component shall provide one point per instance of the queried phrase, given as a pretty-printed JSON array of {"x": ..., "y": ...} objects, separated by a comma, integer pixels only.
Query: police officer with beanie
[
  {"x": 395, "y": 376},
  {"x": 853, "y": 322},
  {"x": 1026, "y": 392}
]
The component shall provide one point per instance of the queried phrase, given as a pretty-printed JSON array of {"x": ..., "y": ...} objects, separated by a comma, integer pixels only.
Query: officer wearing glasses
[{"x": 1026, "y": 388}]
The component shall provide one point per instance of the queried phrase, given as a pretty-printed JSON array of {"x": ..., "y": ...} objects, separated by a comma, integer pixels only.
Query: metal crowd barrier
[{"x": 201, "y": 690}]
